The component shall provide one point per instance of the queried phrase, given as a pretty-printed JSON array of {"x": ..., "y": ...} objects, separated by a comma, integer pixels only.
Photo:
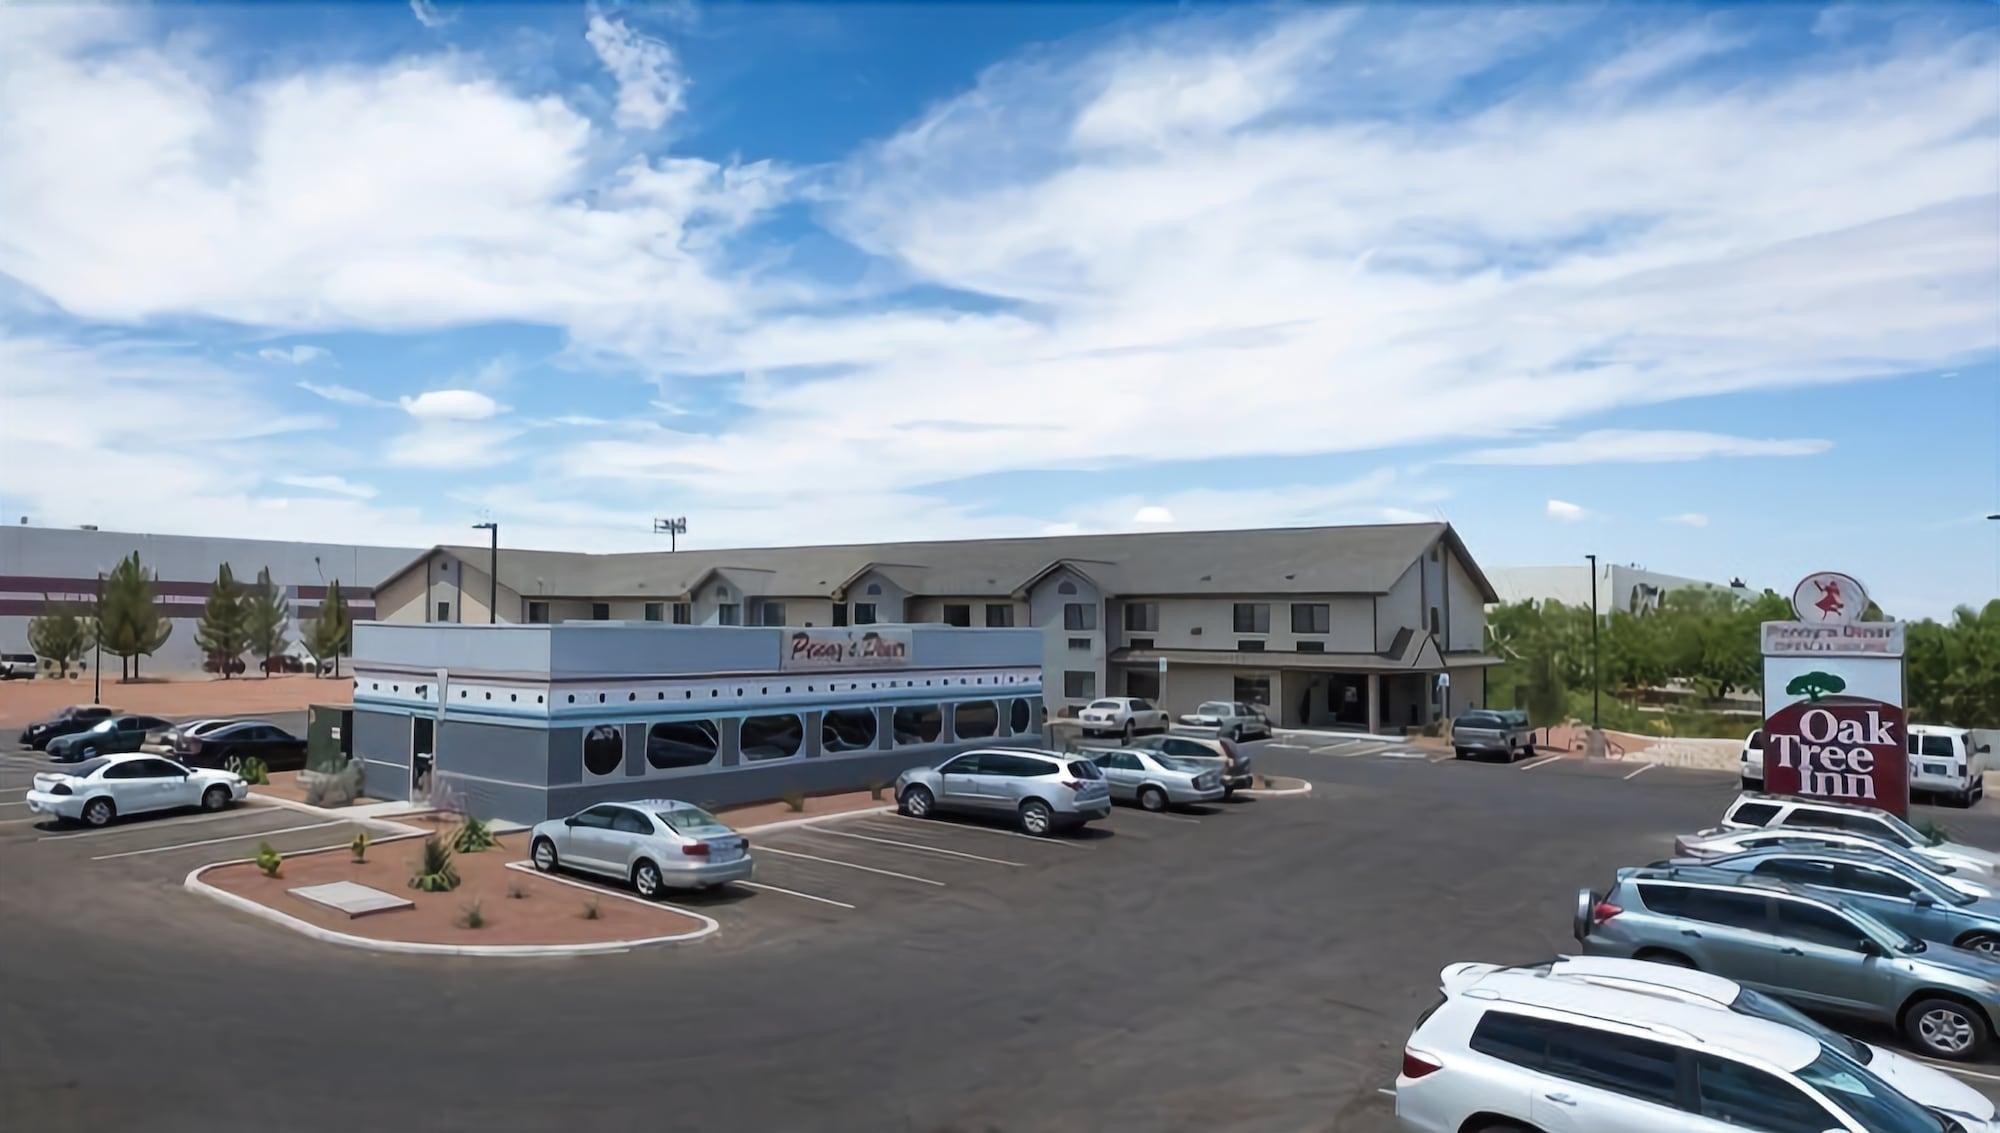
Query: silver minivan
[{"x": 1042, "y": 790}]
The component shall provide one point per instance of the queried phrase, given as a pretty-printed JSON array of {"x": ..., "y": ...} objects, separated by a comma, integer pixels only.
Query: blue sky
[{"x": 1712, "y": 290}]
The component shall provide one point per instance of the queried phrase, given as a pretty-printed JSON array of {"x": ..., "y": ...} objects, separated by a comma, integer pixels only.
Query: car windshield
[
  {"x": 1215, "y": 708},
  {"x": 1902, "y": 941},
  {"x": 1760, "y": 1006},
  {"x": 105, "y": 726},
  {"x": 83, "y": 770},
  {"x": 1105, "y": 705},
  {"x": 688, "y": 819},
  {"x": 1866, "y": 1098}
]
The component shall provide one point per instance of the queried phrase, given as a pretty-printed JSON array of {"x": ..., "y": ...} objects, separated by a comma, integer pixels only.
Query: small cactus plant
[
  {"x": 359, "y": 847},
  {"x": 268, "y": 859},
  {"x": 254, "y": 771},
  {"x": 435, "y": 873},
  {"x": 473, "y": 835}
]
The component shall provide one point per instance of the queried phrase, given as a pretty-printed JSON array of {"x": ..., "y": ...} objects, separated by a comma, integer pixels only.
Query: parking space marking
[
  {"x": 793, "y": 893},
  {"x": 1542, "y": 762},
  {"x": 1040, "y": 841},
  {"x": 162, "y": 825},
  {"x": 1442, "y": 758},
  {"x": 1641, "y": 771},
  {"x": 1955, "y": 1068},
  {"x": 1385, "y": 1090},
  {"x": 1284, "y": 747},
  {"x": 849, "y": 865},
  {"x": 216, "y": 841},
  {"x": 913, "y": 846}
]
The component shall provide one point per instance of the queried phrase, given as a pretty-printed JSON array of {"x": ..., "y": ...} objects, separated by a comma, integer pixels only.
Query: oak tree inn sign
[{"x": 1833, "y": 700}]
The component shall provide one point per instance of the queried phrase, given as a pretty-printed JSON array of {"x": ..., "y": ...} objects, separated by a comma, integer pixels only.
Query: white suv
[
  {"x": 1516, "y": 1049},
  {"x": 1750, "y": 770},
  {"x": 1771, "y": 812},
  {"x": 1126, "y": 715}
]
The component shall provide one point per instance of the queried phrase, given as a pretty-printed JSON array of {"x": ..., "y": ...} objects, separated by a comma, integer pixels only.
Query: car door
[
  {"x": 175, "y": 788},
  {"x": 1005, "y": 779},
  {"x": 1926, "y": 913},
  {"x": 1821, "y": 960},
  {"x": 626, "y": 837},
  {"x": 1121, "y": 774},
  {"x": 1725, "y": 931},
  {"x": 961, "y": 783},
  {"x": 589, "y": 839},
  {"x": 128, "y": 787},
  {"x": 1606, "y": 1080}
]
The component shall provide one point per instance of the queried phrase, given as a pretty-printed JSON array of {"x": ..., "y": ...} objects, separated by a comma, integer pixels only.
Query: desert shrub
[
  {"x": 590, "y": 909},
  {"x": 472, "y": 916},
  {"x": 795, "y": 800},
  {"x": 359, "y": 847},
  {"x": 434, "y": 870},
  {"x": 254, "y": 771},
  {"x": 268, "y": 859},
  {"x": 473, "y": 835},
  {"x": 338, "y": 787}
]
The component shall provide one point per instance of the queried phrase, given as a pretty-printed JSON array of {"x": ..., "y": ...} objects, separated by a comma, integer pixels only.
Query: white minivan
[{"x": 1948, "y": 761}]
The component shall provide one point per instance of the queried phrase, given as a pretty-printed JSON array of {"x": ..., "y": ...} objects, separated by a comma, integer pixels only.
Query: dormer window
[
  {"x": 1065, "y": 587},
  {"x": 874, "y": 588}
]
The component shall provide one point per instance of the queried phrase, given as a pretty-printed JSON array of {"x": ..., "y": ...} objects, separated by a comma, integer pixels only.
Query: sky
[{"x": 1714, "y": 291}]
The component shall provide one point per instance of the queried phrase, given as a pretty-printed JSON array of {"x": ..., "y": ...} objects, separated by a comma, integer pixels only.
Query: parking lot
[{"x": 1252, "y": 965}]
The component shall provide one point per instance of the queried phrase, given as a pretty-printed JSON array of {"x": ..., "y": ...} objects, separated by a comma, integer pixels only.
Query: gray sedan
[{"x": 1156, "y": 781}]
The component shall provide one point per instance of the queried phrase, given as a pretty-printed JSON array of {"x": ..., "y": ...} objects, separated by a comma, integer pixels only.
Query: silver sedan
[
  {"x": 655, "y": 844},
  {"x": 1156, "y": 781}
]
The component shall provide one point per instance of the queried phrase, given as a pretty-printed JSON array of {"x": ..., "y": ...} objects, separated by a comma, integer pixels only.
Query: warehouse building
[{"x": 1362, "y": 627}]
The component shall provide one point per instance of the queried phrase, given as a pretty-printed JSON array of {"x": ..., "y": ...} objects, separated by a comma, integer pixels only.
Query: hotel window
[
  {"x": 771, "y": 737},
  {"x": 1253, "y": 690},
  {"x": 774, "y": 613},
  {"x": 1250, "y": 645},
  {"x": 1079, "y": 685},
  {"x": 1142, "y": 617},
  {"x": 847, "y": 729},
  {"x": 1434, "y": 620},
  {"x": 444, "y": 611},
  {"x": 728, "y": 614},
  {"x": 864, "y": 613},
  {"x": 975, "y": 719},
  {"x": 1079, "y": 643},
  {"x": 917, "y": 724},
  {"x": 1311, "y": 617},
  {"x": 682, "y": 743},
  {"x": 874, "y": 588},
  {"x": 538, "y": 613},
  {"x": 683, "y": 613},
  {"x": 600, "y": 611},
  {"x": 1139, "y": 642},
  {"x": 1253, "y": 617},
  {"x": 840, "y": 613},
  {"x": 1311, "y": 646},
  {"x": 957, "y": 614},
  {"x": 999, "y": 616},
  {"x": 656, "y": 611},
  {"x": 1079, "y": 615}
]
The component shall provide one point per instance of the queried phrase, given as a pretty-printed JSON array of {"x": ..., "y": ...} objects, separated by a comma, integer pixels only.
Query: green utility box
[{"x": 329, "y": 736}]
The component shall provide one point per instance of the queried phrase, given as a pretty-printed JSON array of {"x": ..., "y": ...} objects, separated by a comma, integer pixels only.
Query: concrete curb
[
  {"x": 194, "y": 884},
  {"x": 793, "y": 823},
  {"x": 1333, "y": 737},
  {"x": 340, "y": 813},
  {"x": 1305, "y": 788}
]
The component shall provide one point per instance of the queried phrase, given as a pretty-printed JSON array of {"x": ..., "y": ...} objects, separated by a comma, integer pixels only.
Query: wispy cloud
[
  {"x": 450, "y": 405},
  {"x": 294, "y": 355},
  {"x": 1562, "y": 511},
  {"x": 427, "y": 14},
  {"x": 1689, "y": 519},
  {"x": 651, "y": 85},
  {"x": 344, "y": 395},
  {"x": 334, "y": 485},
  {"x": 1642, "y": 446}
]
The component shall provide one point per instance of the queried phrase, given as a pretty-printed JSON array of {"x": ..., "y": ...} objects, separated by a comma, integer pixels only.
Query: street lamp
[
  {"x": 492, "y": 571},
  {"x": 97, "y": 636},
  {"x": 1593, "y": 641}
]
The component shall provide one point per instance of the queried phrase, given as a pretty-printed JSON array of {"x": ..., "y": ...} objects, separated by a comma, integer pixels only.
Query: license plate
[{"x": 726, "y": 854}]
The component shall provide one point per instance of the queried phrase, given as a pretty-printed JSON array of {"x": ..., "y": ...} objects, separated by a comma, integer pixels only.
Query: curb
[
  {"x": 338, "y": 813},
  {"x": 194, "y": 884},
  {"x": 1277, "y": 792},
  {"x": 793, "y": 823}
]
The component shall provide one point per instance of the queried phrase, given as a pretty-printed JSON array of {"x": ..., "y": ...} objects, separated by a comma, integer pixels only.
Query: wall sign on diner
[{"x": 862, "y": 648}]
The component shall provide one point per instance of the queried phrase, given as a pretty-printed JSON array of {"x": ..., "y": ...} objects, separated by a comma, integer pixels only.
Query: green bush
[
  {"x": 252, "y": 769},
  {"x": 471, "y": 916},
  {"x": 268, "y": 859},
  {"x": 473, "y": 835},
  {"x": 434, "y": 872}
]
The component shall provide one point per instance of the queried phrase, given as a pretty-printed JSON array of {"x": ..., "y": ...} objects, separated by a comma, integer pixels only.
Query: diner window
[
  {"x": 683, "y": 613},
  {"x": 917, "y": 724},
  {"x": 1253, "y": 690},
  {"x": 774, "y": 613},
  {"x": 1079, "y": 685},
  {"x": 999, "y": 615},
  {"x": 1311, "y": 617},
  {"x": 656, "y": 611},
  {"x": 975, "y": 719},
  {"x": 864, "y": 613},
  {"x": 1079, "y": 615},
  {"x": 604, "y": 749},
  {"x": 538, "y": 613},
  {"x": 771, "y": 737},
  {"x": 1253, "y": 617},
  {"x": 600, "y": 611},
  {"x": 728, "y": 614},
  {"x": 1142, "y": 617},
  {"x": 1021, "y": 717},
  {"x": 957, "y": 614},
  {"x": 847, "y": 729},
  {"x": 682, "y": 743}
]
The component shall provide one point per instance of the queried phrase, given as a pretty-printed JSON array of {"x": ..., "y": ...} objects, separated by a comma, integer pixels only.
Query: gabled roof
[{"x": 1365, "y": 559}]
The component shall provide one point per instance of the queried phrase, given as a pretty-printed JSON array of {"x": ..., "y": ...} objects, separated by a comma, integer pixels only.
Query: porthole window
[
  {"x": 572, "y": 698},
  {"x": 603, "y": 749},
  {"x": 917, "y": 724},
  {"x": 1020, "y": 717},
  {"x": 513, "y": 698},
  {"x": 489, "y": 696},
  {"x": 600, "y": 698},
  {"x": 847, "y": 729},
  {"x": 461, "y": 694},
  {"x": 682, "y": 743},
  {"x": 630, "y": 697},
  {"x": 538, "y": 698},
  {"x": 976, "y": 719},
  {"x": 771, "y": 737}
]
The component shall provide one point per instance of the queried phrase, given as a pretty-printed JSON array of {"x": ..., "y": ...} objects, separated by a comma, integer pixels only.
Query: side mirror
[
  {"x": 1924, "y": 900},
  {"x": 570, "y": 821},
  {"x": 1867, "y": 947}
]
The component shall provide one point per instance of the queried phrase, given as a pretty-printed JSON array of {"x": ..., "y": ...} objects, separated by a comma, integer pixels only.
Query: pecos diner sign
[
  {"x": 1833, "y": 700},
  {"x": 864, "y": 648}
]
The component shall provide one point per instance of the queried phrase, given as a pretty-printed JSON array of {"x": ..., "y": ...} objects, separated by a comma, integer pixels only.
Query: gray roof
[{"x": 1320, "y": 560}]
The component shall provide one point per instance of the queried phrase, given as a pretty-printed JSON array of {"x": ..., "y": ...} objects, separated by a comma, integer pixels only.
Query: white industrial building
[{"x": 1621, "y": 589}]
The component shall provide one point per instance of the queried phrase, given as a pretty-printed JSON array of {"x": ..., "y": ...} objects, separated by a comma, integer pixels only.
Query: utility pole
[
  {"x": 1594, "y": 681},
  {"x": 492, "y": 571},
  {"x": 673, "y": 529}
]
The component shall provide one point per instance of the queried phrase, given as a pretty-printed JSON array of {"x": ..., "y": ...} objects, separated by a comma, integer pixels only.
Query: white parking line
[
  {"x": 215, "y": 841},
  {"x": 986, "y": 830},
  {"x": 1284, "y": 747},
  {"x": 1331, "y": 748},
  {"x": 1547, "y": 759},
  {"x": 849, "y": 865},
  {"x": 1442, "y": 758},
  {"x": 793, "y": 893},
  {"x": 1641, "y": 771},
  {"x": 913, "y": 846},
  {"x": 243, "y": 812},
  {"x": 1955, "y": 1068},
  {"x": 1385, "y": 1090}
]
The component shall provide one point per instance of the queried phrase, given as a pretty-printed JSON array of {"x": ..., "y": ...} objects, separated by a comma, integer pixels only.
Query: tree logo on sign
[{"x": 1814, "y": 685}]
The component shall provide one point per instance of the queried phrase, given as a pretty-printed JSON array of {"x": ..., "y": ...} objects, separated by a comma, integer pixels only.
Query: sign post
[{"x": 1833, "y": 700}]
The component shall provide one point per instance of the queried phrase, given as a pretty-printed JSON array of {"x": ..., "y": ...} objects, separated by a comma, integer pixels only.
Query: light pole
[
  {"x": 97, "y": 637},
  {"x": 1593, "y": 640},
  {"x": 492, "y": 571}
]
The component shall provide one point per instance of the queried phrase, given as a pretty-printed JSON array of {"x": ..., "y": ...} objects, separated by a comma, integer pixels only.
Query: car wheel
[
  {"x": 1965, "y": 799},
  {"x": 1037, "y": 818},
  {"x": 544, "y": 855},
  {"x": 646, "y": 879},
  {"x": 917, "y": 801},
  {"x": 1130, "y": 731},
  {"x": 1153, "y": 799},
  {"x": 233, "y": 764},
  {"x": 1529, "y": 751},
  {"x": 215, "y": 798},
  {"x": 1458, "y": 753},
  {"x": 1982, "y": 942},
  {"x": 99, "y": 812},
  {"x": 1945, "y": 1028}
]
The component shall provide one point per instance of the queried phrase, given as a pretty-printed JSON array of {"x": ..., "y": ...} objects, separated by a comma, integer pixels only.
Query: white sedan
[
  {"x": 98, "y": 790},
  {"x": 1127, "y": 715}
]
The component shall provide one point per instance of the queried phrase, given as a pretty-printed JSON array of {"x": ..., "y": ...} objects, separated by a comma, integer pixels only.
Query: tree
[
  {"x": 264, "y": 617},
  {"x": 1814, "y": 685},
  {"x": 332, "y": 631},
  {"x": 1548, "y": 700},
  {"x": 63, "y": 634},
  {"x": 128, "y": 619},
  {"x": 221, "y": 633},
  {"x": 1952, "y": 670}
]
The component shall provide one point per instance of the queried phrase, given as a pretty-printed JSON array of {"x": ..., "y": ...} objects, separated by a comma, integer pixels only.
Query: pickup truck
[
  {"x": 1230, "y": 719},
  {"x": 1484, "y": 731}
]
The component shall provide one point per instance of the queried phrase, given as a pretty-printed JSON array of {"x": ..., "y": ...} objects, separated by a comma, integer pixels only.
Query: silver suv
[
  {"x": 1820, "y": 953},
  {"x": 1042, "y": 790}
]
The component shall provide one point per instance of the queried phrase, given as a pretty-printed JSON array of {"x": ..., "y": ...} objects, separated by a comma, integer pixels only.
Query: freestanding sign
[{"x": 1833, "y": 700}]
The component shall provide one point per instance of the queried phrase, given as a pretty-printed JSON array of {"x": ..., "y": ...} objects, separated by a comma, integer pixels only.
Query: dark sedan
[
  {"x": 75, "y": 718},
  {"x": 106, "y": 737},
  {"x": 227, "y": 746}
]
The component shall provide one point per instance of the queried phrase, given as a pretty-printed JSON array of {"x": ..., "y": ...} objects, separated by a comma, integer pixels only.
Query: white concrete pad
[{"x": 352, "y": 899}]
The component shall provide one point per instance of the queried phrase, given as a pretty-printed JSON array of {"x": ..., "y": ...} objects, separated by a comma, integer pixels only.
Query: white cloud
[
  {"x": 294, "y": 355},
  {"x": 448, "y": 443},
  {"x": 1658, "y": 56},
  {"x": 1562, "y": 511},
  {"x": 428, "y": 15},
  {"x": 336, "y": 485},
  {"x": 1689, "y": 519},
  {"x": 1153, "y": 513},
  {"x": 651, "y": 87},
  {"x": 450, "y": 405},
  {"x": 344, "y": 395},
  {"x": 1642, "y": 446}
]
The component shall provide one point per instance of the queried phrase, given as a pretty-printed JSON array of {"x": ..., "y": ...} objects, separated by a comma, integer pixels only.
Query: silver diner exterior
[{"x": 526, "y": 722}]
